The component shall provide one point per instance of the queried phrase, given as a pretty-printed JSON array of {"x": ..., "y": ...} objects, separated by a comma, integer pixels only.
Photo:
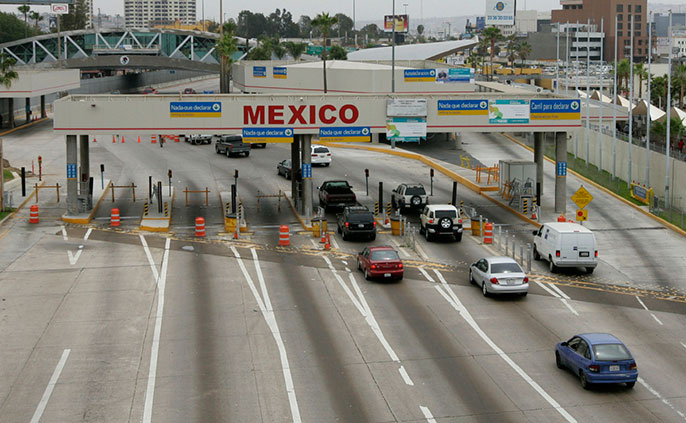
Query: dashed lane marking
[
  {"x": 51, "y": 386},
  {"x": 683, "y": 345},
  {"x": 651, "y": 313},
  {"x": 427, "y": 414},
  {"x": 548, "y": 288},
  {"x": 661, "y": 398}
]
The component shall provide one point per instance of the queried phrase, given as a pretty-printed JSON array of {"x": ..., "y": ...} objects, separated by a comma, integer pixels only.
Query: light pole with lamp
[{"x": 393, "y": 51}]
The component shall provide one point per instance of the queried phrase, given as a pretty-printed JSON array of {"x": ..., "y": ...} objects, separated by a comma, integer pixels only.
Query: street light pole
[
  {"x": 393, "y": 52},
  {"x": 631, "y": 97},
  {"x": 614, "y": 107},
  {"x": 557, "y": 62},
  {"x": 650, "y": 54},
  {"x": 588, "y": 88},
  {"x": 669, "y": 109}
]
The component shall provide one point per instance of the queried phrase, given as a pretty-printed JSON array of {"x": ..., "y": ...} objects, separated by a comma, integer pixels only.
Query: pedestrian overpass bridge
[{"x": 122, "y": 49}]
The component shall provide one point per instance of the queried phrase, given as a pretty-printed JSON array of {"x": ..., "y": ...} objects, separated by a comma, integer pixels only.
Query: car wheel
[
  {"x": 366, "y": 274},
  {"x": 421, "y": 230},
  {"x": 589, "y": 270},
  {"x": 288, "y": 175},
  {"x": 372, "y": 237},
  {"x": 345, "y": 237},
  {"x": 583, "y": 379},
  {"x": 339, "y": 230},
  {"x": 484, "y": 290},
  {"x": 458, "y": 237},
  {"x": 523, "y": 294},
  {"x": 553, "y": 268},
  {"x": 471, "y": 277},
  {"x": 427, "y": 235},
  {"x": 359, "y": 265},
  {"x": 327, "y": 164},
  {"x": 630, "y": 385},
  {"x": 558, "y": 361},
  {"x": 227, "y": 153},
  {"x": 536, "y": 255},
  {"x": 216, "y": 150},
  {"x": 399, "y": 278},
  {"x": 416, "y": 201},
  {"x": 247, "y": 153}
]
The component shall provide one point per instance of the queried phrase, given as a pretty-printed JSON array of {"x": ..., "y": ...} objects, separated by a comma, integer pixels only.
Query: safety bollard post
[
  {"x": 200, "y": 227},
  {"x": 284, "y": 236},
  {"x": 114, "y": 217},
  {"x": 528, "y": 258},
  {"x": 33, "y": 215}
]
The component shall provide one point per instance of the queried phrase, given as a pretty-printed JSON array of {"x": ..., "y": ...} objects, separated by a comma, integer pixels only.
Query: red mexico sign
[{"x": 279, "y": 114}]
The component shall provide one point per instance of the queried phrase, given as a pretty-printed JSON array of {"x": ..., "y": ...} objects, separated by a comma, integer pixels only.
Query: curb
[
  {"x": 33, "y": 122},
  {"x": 607, "y": 191},
  {"x": 447, "y": 172},
  {"x": 20, "y": 206},
  {"x": 300, "y": 219}
]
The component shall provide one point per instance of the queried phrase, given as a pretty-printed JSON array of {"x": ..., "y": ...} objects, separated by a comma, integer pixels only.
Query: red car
[
  {"x": 189, "y": 91},
  {"x": 149, "y": 90},
  {"x": 380, "y": 262}
]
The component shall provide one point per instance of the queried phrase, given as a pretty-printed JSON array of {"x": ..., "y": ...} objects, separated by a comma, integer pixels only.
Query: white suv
[
  {"x": 441, "y": 219},
  {"x": 321, "y": 155}
]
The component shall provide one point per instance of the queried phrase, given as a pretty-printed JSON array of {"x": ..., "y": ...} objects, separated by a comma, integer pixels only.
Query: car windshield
[
  {"x": 384, "y": 255},
  {"x": 415, "y": 191},
  {"x": 446, "y": 213},
  {"x": 334, "y": 187},
  {"x": 506, "y": 268},
  {"x": 360, "y": 217},
  {"x": 321, "y": 150},
  {"x": 611, "y": 352}
]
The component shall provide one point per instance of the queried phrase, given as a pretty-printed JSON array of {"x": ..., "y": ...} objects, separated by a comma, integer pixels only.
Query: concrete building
[
  {"x": 662, "y": 23},
  {"x": 146, "y": 13},
  {"x": 581, "y": 43},
  {"x": 595, "y": 10}
]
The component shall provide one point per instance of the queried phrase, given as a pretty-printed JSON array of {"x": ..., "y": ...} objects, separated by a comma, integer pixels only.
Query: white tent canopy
[
  {"x": 622, "y": 101},
  {"x": 675, "y": 113},
  {"x": 597, "y": 95},
  {"x": 642, "y": 108},
  {"x": 582, "y": 94}
]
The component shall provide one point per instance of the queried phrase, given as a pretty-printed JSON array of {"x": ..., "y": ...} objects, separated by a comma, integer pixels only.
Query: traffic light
[
  {"x": 366, "y": 173},
  {"x": 169, "y": 173},
  {"x": 431, "y": 172},
  {"x": 235, "y": 174}
]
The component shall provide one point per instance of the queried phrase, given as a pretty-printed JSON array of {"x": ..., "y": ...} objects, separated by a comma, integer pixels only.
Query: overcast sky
[{"x": 365, "y": 9}]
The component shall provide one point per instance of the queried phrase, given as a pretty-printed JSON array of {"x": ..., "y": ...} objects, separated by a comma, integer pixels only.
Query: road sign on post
[
  {"x": 582, "y": 197},
  {"x": 581, "y": 215}
]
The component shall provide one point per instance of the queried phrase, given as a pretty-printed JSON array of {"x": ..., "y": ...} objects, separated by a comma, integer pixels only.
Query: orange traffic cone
[
  {"x": 139, "y": 139},
  {"x": 113, "y": 140},
  {"x": 122, "y": 139},
  {"x": 327, "y": 245},
  {"x": 94, "y": 140}
]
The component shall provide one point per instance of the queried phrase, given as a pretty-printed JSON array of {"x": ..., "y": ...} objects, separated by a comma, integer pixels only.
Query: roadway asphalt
[{"x": 116, "y": 325}]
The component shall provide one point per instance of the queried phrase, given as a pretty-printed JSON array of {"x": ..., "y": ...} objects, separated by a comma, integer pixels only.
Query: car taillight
[
  {"x": 347, "y": 224},
  {"x": 328, "y": 154},
  {"x": 459, "y": 221},
  {"x": 596, "y": 253},
  {"x": 400, "y": 265},
  {"x": 314, "y": 155},
  {"x": 633, "y": 366},
  {"x": 557, "y": 253},
  {"x": 594, "y": 368},
  {"x": 494, "y": 281},
  {"x": 431, "y": 221},
  {"x": 328, "y": 197},
  {"x": 526, "y": 279},
  {"x": 373, "y": 266},
  {"x": 374, "y": 224}
]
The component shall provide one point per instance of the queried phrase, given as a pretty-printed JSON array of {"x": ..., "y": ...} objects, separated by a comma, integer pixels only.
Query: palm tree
[
  {"x": 493, "y": 35},
  {"x": 482, "y": 50},
  {"x": 524, "y": 51},
  {"x": 474, "y": 59},
  {"x": 36, "y": 17},
  {"x": 7, "y": 74},
  {"x": 658, "y": 90},
  {"x": 642, "y": 73},
  {"x": 25, "y": 9},
  {"x": 295, "y": 49},
  {"x": 679, "y": 78},
  {"x": 226, "y": 47},
  {"x": 623, "y": 73},
  {"x": 512, "y": 49},
  {"x": 324, "y": 22}
]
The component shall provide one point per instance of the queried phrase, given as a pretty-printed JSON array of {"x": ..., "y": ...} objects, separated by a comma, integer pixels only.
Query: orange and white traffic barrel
[
  {"x": 200, "y": 227},
  {"x": 488, "y": 233},
  {"x": 114, "y": 218},
  {"x": 33, "y": 214},
  {"x": 561, "y": 218},
  {"x": 284, "y": 236}
]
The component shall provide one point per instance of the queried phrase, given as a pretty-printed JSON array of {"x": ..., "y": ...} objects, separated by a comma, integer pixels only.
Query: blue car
[{"x": 597, "y": 358}]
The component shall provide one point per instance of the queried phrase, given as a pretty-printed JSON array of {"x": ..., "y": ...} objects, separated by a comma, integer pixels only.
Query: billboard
[
  {"x": 402, "y": 23},
  {"x": 35, "y": 2},
  {"x": 500, "y": 12}
]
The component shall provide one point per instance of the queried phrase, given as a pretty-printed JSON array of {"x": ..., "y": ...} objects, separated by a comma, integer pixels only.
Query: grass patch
[
  {"x": 7, "y": 175},
  {"x": 6, "y": 212}
]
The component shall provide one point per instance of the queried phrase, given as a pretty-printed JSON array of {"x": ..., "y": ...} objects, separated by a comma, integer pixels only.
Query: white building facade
[{"x": 146, "y": 13}]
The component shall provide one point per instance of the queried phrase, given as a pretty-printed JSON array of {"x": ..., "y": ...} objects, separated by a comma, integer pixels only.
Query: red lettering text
[
  {"x": 313, "y": 115},
  {"x": 354, "y": 114},
  {"x": 275, "y": 115},
  {"x": 322, "y": 114},
  {"x": 253, "y": 116},
  {"x": 297, "y": 115}
]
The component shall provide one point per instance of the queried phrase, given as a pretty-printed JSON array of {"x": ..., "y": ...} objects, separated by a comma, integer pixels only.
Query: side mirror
[
  {"x": 564, "y": 344},
  {"x": 319, "y": 188},
  {"x": 535, "y": 232},
  {"x": 351, "y": 187}
]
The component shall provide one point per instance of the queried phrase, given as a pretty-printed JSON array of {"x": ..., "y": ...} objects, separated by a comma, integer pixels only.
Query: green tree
[
  {"x": 344, "y": 26},
  {"x": 76, "y": 18},
  {"x": 524, "y": 51},
  {"x": 623, "y": 74},
  {"x": 658, "y": 90},
  {"x": 295, "y": 49},
  {"x": 36, "y": 17},
  {"x": 338, "y": 53},
  {"x": 226, "y": 47},
  {"x": 482, "y": 50},
  {"x": 324, "y": 22},
  {"x": 276, "y": 47},
  {"x": 676, "y": 129},
  {"x": 493, "y": 35},
  {"x": 25, "y": 9},
  {"x": 420, "y": 29},
  {"x": 475, "y": 60},
  {"x": 679, "y": 79},
  {"x": 305, "y": 26},
  {"x": 7, "y": 74},
  {"x": 251, "y": 25},
  {"x": 11, "y": 28},
  {"x": 512, "y": 49},
  {"x": 641, "y": 73}
]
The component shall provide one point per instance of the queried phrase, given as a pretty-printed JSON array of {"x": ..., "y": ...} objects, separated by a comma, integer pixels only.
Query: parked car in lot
[
  {"x": 285, "y": 168},
  {"x": 259, "y": 145},
  {"x": 149, "y": 90},
  {"x": 231, "y": 145},
  {"x": 566, "y": 244},
  {"x": 597, "y": 358},
  {"x": 409, "y": 196},
  {"x": 189, "y": 91},
  {"x": 380, "y": 262},
  {"x": 499, "y": 275},
  {"x": 356, "y": 221},
  {"x": 321, "y": 155},
  {"x": 336, "y": 194},
  {"x": 440, "y": 220},
  {"x": 198, "y": 139}
]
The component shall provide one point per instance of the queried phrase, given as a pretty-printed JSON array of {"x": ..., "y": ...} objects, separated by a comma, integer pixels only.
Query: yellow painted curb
[
  {"x": 300, "y": 219},
  {"x": 607, "y": 191},
  {"x": 87, "y": 220},
  {"x": 142, "y": 226},
  {"x": 34, "y": 122}
]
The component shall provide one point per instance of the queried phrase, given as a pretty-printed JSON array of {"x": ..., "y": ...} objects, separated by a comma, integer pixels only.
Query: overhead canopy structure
[
  {"x": 597, "y": 95},
  {"x": 675, "y": 113},
  {"x": 582, "y": 94},
  {"x": 426, "y": 51},
  {"x": 642, "y": 108},
  {"x": 622, "y": 101}
]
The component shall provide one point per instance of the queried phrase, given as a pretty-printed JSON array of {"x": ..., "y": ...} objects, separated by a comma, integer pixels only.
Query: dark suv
[{"x": 357, "y": 220}]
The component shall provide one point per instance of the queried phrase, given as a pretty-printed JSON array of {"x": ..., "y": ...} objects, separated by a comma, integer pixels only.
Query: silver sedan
[{"x": 499, "y": 275}]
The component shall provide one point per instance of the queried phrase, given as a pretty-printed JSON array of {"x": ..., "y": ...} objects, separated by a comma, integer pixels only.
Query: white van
[{"x": 566, "y": 244}]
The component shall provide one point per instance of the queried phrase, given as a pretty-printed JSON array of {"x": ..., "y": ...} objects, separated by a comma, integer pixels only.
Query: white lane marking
[
  {"x": 661, "y": 398},
  {"x": 426, "y": 275},
  {"x": 683, "y": 345},
  {"x": 421, "y": 252},
  {"x": 314, "y": 243},
  {"x": 427, "y": 414},
  {"x": 265, "y": 305},
  {"x": 51, "y": 386},
  {"x": 651, "y": 313},
  {"x": 559, "y": 291},
  {"x": 150, "y": 260},
  {"x": 155, "y": 349},
  {"x": 64, "y": 233},
  {"x": 334, "y": 243},
  {"x": 73, "y": 258},
  {"x": 345, "y": 287},
  {"x": 548, "y": 287},
  {"x": 403, "y": 253},
  {"x": 405, "y": 376},
  {"x": 451, "y": 297}
]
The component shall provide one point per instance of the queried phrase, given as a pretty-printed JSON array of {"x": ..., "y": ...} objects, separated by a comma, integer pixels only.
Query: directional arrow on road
[{"x": 74, "y": 257}]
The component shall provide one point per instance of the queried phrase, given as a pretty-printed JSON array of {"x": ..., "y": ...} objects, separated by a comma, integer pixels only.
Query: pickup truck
[
  {"x": 231, "y": 145},
  {"x": 336, "y": 194}
]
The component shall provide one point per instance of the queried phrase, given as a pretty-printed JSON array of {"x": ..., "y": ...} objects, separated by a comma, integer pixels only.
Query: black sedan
[{"x": 284, "y": 168}]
